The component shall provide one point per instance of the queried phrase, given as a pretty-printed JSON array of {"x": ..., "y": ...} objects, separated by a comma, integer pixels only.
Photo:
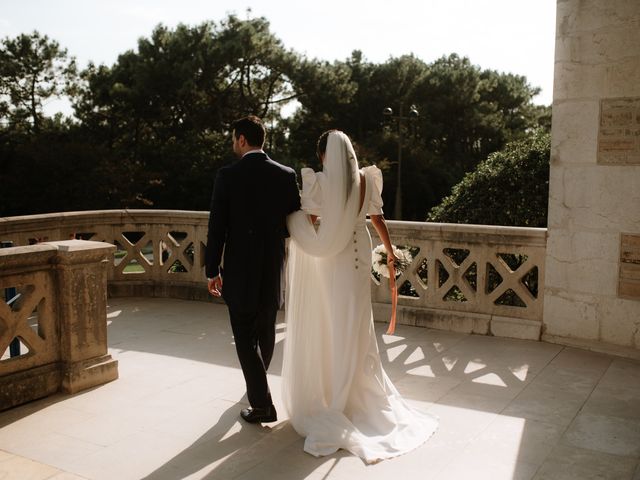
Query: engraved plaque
[
  {"x": 629, "y": 279},
  {"x": 619, "y": 131}
]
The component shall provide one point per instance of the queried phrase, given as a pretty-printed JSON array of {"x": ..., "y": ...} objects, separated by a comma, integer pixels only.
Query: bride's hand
[{"x": 391, "y": 263}]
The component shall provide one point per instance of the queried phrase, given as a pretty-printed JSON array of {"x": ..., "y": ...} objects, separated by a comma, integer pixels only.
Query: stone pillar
[
  {"x": 81, "y": 268},
  {"x": 594, "y": 197}
]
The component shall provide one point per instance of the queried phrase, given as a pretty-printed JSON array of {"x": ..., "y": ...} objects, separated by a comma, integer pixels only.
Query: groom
[{"x": 250, "y": 203}]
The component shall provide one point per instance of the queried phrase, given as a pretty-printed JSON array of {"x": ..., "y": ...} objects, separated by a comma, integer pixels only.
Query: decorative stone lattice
[{"x": 31, "y": 321}]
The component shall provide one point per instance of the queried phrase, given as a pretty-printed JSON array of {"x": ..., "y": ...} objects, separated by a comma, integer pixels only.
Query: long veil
[
  {"x": 340, "y": 202},
  {"x": 307, "y": 290}
]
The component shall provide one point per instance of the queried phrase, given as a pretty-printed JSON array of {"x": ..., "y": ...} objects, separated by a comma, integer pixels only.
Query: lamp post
[{"x": 400, "y": 118}]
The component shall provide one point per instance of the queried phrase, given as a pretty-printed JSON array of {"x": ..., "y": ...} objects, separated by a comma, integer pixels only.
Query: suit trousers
[{"x": 255, "y": 334}]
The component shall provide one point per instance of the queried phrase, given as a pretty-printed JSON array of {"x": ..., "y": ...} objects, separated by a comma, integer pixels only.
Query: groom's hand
[{"x": 215, "y": 286}]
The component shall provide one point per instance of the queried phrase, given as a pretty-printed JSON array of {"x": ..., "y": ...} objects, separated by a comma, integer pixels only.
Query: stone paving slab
[{"x": 509, "y": 409}]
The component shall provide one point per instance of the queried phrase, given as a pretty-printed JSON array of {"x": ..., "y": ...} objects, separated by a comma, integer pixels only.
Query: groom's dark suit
[{"x": 250, "y": 203}]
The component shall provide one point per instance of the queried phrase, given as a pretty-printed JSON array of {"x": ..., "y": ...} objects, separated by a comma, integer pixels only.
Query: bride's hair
[
  {"x": 322, "y": 143},
  {"x": 350, "y": 162}
]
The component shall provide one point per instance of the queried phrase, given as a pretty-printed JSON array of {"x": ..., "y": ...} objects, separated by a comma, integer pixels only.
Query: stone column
[
  {"x": 594, "y": 190},
  {"x": 81, "y": 270}
]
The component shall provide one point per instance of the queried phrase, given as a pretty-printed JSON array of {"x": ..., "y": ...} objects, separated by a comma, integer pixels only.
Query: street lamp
[{"x": 413, "y": 114}]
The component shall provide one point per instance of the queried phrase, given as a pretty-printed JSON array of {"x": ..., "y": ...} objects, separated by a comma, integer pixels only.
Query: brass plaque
[
  {"x": 619, "y": 131},
  {"x": 629, "y": 279}
]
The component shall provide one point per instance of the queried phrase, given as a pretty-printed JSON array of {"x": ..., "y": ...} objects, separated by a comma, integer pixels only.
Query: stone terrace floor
[{"x": 508, "y": 409}]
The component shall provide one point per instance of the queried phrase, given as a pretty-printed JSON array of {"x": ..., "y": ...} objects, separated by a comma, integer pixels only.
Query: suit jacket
[{"x": 251, "y": 200}]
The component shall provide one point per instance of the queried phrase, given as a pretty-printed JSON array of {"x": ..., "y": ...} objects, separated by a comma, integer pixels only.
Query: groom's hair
[
  {"x": 322, "y": 142},
  {"x": 252, "y": 129}
]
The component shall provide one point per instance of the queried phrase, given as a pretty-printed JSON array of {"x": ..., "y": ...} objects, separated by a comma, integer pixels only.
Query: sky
[{"x": 511, "y": 36}]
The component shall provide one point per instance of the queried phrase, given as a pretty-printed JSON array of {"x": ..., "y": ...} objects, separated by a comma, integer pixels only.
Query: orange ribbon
[{"x": 394, "y": 299}]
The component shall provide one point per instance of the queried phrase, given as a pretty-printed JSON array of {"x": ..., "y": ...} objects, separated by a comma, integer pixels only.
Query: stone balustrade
[
  {"x": 158, "y": 253},
  {"x": 56, "y": 320},
  {"x": 468, "y": 278}
]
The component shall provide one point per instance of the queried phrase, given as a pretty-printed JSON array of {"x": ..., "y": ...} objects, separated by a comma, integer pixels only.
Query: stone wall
[{"x": 594, "y": 198}]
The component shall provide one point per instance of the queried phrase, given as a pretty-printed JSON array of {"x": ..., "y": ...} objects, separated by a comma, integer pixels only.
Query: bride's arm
[
  {"x": 380, "y": 225},
  {"x": 311, "y": 195}
]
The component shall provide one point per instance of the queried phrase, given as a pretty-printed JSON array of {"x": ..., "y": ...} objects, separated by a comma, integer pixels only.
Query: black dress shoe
[{"x": 259, "y": 415}]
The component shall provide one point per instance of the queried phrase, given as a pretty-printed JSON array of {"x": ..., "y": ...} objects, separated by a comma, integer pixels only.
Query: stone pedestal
[{"x": 81, "y": 269}]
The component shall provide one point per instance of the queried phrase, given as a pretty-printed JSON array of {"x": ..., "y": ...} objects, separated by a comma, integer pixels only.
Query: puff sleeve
[
  {"x": 311, "y": 197},
  {"x": 374, "y": 183}
]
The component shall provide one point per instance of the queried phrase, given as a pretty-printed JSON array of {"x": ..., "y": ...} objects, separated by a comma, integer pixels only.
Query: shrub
[{"x": 511, "y": 187}]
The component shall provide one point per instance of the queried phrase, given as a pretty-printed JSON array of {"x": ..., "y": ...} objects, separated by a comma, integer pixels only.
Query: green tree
[
  {"x": 33, "y": 69},
  {"x": 38, "y": 164},
  {"x": 153, "y": 128},
  {"x": 55, "y": 171},
  {"x": 466, "y": 113},
  {"x": 511, "y": 187},
  {"x": 166, "y": 108}
]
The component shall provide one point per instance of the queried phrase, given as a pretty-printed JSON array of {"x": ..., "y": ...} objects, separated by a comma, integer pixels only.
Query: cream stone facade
[{"x": 594, "y": 196}]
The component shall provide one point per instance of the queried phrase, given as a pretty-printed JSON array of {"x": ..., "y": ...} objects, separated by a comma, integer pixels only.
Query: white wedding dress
[{"x": 335, "y": 390}]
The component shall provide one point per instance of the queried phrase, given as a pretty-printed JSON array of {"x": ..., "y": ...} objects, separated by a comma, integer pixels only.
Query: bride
[{"x": 335, "y": 390}]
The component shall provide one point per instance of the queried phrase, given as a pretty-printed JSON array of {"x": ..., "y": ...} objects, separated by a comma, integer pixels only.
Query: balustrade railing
[
  {"x": 470, "y": 278},
  {"x": 158, "y": 252},
  {"x": 53, "y": 331}
]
